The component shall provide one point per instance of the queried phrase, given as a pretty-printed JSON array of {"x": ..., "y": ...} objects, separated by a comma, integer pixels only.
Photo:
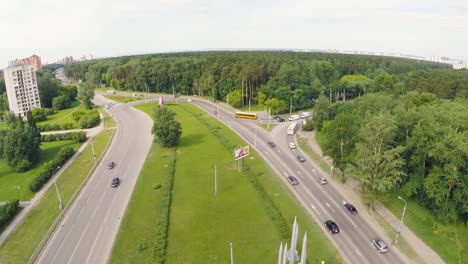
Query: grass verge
[
  {"x": 202, "y": 224},
  {"x": 22, "y": 242}
]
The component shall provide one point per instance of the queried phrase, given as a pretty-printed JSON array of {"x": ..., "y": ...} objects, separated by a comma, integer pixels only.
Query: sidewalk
[{"x": 351, "y": 189}]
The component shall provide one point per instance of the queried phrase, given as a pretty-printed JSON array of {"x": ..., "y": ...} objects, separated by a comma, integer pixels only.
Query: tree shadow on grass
[{"x": 191, "y": 140}]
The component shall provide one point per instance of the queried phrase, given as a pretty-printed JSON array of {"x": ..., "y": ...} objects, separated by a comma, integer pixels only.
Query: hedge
[
  {"x": 78, "y": 137},
  {"x": 162, "y": 227},
  {"x": 46, "y": 173},
  {"x": 8, "y": 212},
  {"x": 53, "y": 127}
]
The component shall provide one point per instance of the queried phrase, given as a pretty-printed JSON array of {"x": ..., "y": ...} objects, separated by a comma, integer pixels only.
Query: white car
[{"x": 292, "y": 145}]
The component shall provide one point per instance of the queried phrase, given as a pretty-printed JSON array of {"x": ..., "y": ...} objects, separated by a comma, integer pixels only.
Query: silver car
[{"x": 380, "y": 245}]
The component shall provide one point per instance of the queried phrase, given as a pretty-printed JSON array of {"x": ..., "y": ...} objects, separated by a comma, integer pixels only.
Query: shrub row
[
  {"x": 8, "y": 212},
  {"x": 78, "y": 137},
  {"x": 162, "y": 227},
  {"x": 270, "y": 207},
  {"x": 62, "y": 156},
  {"x": 53, "y": 127}
]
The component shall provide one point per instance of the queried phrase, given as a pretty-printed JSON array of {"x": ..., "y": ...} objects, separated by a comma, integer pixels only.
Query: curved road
[
  {"x": 323, "y": 202},
  {"x": 88, "y": 230}
]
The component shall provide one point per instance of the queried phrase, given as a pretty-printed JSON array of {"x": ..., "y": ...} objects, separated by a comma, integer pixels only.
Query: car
[
  {"x": 332, "y": 227},
  {"x": 292, "y": 145},
  {"x": 293, "y": 180},
  {"x": 294, "y": 117},
  {"x": 278, "y": 118},
  {"x": 300, "y": 158},
  {"x": 352, "y": 210},
  {"x": 106, "y": 106},
  {"x": 380, "y": 245},
  {"x": 115, "y": 182},
  {"x": 111, "y": 165},
  {"x": 271, "y": 144},
  {"x": 322, "y": 180}
]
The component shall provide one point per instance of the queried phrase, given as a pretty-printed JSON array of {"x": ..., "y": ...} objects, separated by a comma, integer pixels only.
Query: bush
[
  {"x": 23, "y": 165},
  {"x": 8, "y": 212},
  {"x": 61, "y": 102},
  {"x": 78, "y": 114},
  {"x": 39, "y": 114},
  {"x": 309, "y": 126},
  {"x": 46, "y": 173},
  {"x": 89, "y": 121},
  {"x": 78, "y": 137}
]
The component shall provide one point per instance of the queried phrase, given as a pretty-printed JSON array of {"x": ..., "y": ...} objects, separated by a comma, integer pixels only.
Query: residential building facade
[
  {"x": 33, "y": 60},
  {"x": 22, "y": 89}
]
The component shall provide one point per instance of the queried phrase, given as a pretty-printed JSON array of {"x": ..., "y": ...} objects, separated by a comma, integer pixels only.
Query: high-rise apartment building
[
  {"x": 21, "y": 88},
  {"x": 33, "y": 60}
]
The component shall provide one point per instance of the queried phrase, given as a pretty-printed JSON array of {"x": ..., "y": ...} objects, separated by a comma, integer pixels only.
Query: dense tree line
[
  {"x": 252, "y": 77},
  {"x": 417, "y": 143}
]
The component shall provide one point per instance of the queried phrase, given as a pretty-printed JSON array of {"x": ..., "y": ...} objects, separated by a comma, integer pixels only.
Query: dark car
[
  {"x": 332, "y": 227},
  {"x": 380, "y": 245},
  {"x": 271, "y": 144},
  {"x": 300, "y": 158},
  {"x": 352, "y": 210},
  {"x": 278, "y": 118},
  {"x": 115, "y": 182},
  {"x": 293, "y": 180},
  {"x": 111, "y": 165}
]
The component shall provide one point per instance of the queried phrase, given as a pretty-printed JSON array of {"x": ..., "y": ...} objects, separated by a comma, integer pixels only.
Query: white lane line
[
  {"x": 322, "y": 207},
  {"x": 299, "y": 172},
  {"x": 357, "y": 251},
  {"x": 285, "y": 174},
  {"x": 350, "y": 220},
  {"x": 330, "y": 207},
  {"x": 301, "y": 176},
  {"x": 74, "y": 251},
  {"x": 315, "y": 209},
  {"x": 102, "y": 225}
]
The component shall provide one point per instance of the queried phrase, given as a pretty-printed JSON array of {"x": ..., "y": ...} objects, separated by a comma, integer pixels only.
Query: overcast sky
[{"x": 54, "y": 29}]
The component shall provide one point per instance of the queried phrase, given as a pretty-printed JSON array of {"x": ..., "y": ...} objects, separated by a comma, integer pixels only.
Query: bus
[
  {"x": 246, "y": 115},
  {"x": 292, "y": 128}
]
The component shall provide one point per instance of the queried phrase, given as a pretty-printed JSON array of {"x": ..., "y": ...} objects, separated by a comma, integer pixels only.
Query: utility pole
[
  {"x": 58, "y": 194},
  {"x": 255, "y": 141},
  {"x": 269, "y": 117},
  {"x": 400, "y": 226},
  {"x": 290, "y": 106},
  {"x": 232, "y": 255},
  {"x": 92, "y": 148},
  {"x": 216, "y": 181}
]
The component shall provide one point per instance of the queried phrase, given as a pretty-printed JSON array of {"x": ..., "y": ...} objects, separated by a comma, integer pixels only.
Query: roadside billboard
[{"x": 241, "y": 152}]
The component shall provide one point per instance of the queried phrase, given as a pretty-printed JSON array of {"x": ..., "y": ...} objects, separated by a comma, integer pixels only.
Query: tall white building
[{"x": 22, "y": 90}]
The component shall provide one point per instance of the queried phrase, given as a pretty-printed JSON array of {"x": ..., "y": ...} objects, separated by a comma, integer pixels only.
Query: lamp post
[
  {"x": 401, "y": 220},
  {"x": 18, "y": 192}
]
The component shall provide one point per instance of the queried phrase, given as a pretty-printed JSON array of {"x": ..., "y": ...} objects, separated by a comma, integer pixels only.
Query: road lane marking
[
  {"x": 299, "y": 172},
  {"x": 77, "y": 244},
  {"x": 330, "y": 207},
  {"x": 357, "y": 251},
  {"x": 285, "y": 174},
  {"x": 350, "y": 220},
  {"x": 315, "y": 209}
]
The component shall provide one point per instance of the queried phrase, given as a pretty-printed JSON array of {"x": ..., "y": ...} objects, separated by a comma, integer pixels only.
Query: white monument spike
[
  {"x": 304, "y": 249},
  {"x": 294, "y": 242},
  {"x": 285, "y": 253},
  {"x": 280, "y": 253}
]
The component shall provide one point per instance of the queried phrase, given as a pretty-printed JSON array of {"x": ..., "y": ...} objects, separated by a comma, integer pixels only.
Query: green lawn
[
  {"x": 63, "y": 116},
  {"x": 265, "y": 126},
  {"x": 10, "y": 180},
  {"x": 238, "y": 213},
  {"x": 21, "y": 244},
  {"x": 123, "y": 99}
]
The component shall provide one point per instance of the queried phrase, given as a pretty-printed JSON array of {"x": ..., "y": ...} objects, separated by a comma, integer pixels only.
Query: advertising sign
[{"x": 241, "y": 152}]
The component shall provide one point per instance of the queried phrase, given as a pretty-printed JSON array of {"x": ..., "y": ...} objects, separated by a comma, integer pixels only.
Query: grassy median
[{"x": 252, "y": 209}]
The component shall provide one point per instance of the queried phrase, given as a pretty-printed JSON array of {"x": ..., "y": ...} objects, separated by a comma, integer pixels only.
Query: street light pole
[
  {"x": 401, "y": 220},
  {"x": 19, "y": 193},
  {"x": 58, "y": 194}
]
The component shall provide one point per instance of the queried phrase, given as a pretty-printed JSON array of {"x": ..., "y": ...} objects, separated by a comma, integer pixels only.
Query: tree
[
  {"x": 378, "y": 165},
  {"x": 48, "y": 88},
  {"x": 235, "y": 98},
  {"x": 21, "y": 144},
  {"x": 275, "y": 105},
  {"x": 85, "y": 94},
  {"x": 261, "y": 97},
  {"x": 61, "y": 102},
  {"x": 166, "y": 130}
]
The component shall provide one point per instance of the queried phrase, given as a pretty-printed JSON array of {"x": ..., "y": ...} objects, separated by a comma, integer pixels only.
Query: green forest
[{"x": 393, "y": 124}]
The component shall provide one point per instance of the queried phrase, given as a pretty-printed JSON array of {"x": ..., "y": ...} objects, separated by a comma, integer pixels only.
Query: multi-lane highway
[
  {"x": 88, "y": 230},
  {"x": 323, "y": 202}
]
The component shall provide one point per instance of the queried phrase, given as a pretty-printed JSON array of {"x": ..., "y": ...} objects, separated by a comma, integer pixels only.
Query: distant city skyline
[{"x": 56, "y": 29}]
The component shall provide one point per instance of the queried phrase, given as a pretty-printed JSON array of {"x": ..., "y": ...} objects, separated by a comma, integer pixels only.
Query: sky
[{"x": 55, "y": 29}]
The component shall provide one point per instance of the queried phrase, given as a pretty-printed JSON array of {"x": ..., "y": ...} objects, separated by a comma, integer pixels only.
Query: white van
[
  {"x": 305, "y": 114},
  {"x": 294, "y": 117}
]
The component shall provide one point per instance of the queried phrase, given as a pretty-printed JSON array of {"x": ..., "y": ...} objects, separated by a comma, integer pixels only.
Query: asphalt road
[
  {"x": 88, "y": 230},
  {"x": 323, "y": 202}
]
